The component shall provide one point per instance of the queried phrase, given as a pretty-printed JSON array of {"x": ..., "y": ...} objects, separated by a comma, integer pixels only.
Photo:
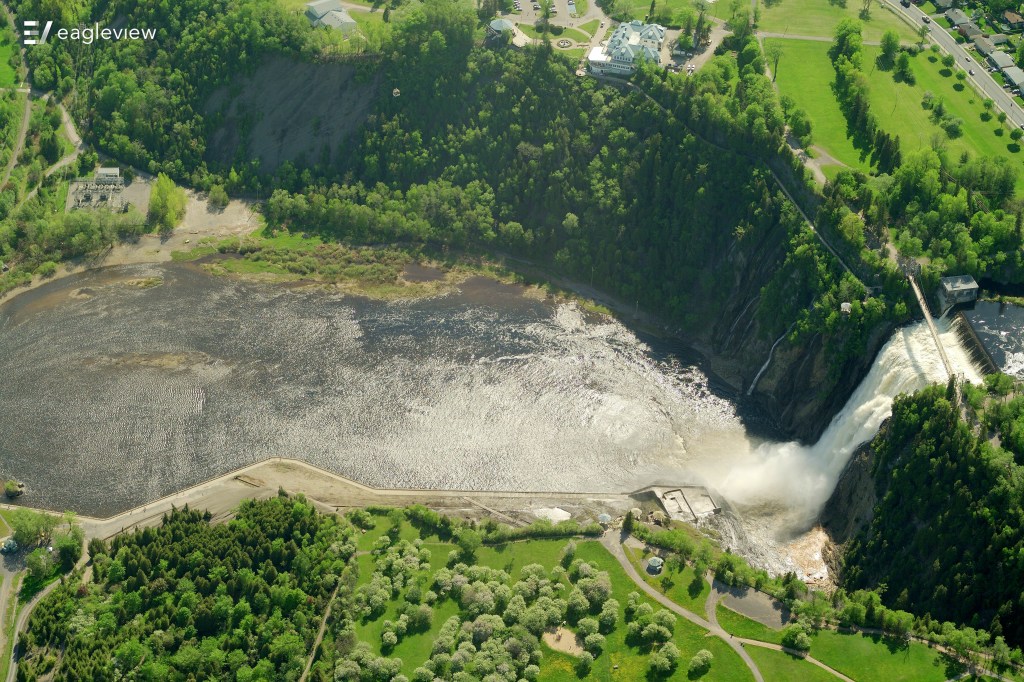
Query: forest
[{"x": 947, "y": 538}]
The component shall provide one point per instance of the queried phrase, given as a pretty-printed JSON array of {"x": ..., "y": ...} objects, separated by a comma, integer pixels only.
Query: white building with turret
[{"x": 628, "y": 45}]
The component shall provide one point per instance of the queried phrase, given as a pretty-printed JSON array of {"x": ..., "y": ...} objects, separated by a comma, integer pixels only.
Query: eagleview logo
[{"x": 84, "y": 34}]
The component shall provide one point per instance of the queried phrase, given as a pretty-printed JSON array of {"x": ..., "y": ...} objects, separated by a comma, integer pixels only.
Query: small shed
[
  {"x": 846, "y": 307},
  {"x": 655, "y": 564}
]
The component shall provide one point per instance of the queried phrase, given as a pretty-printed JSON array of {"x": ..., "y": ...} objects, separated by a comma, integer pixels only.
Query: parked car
[{"x": 926, "y": 19}]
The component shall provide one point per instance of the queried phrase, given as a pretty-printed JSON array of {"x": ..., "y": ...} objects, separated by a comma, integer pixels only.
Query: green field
[
  {"x": 590, "y": 27},
  {"x": 778, "y": 665},
  {"x": 680, "y": 587},
  {"x": 805, "y": 74},
  {"x": 8, "y": 77},
  {"x": 873, "y": 659},
  {"x": 627, "y": 662},
  {"x": 819, "y": 18}
]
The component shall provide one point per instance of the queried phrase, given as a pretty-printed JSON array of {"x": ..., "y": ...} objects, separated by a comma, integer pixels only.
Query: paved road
[
  {"x": 612, "y": 544},
  {"x": 982, "y": 79}
]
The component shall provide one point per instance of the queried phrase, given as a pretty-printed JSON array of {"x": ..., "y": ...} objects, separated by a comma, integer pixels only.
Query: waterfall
[
  {"x": 791, "y": 482},
  {"x": 753, "y": 384},
  {"x": 970, "y": 341}
]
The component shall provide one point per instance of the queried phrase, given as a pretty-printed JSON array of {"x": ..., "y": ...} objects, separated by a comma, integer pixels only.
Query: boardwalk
[{"x": 931, "y": 324}]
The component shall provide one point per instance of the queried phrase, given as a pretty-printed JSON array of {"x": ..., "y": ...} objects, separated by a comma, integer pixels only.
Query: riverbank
[{"x": 331, "y": 492}]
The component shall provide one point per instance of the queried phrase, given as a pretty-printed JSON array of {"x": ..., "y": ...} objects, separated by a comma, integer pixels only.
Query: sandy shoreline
[
  {"x": 334, "y": 493},
  {"x": 239, "y": 218}
]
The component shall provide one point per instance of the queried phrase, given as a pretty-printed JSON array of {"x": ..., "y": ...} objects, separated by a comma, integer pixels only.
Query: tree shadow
[
  {"x": 1013, "y": 148},
  {"x": 959, "y": 87},
  {"x": 945, "y": 72},
  {"x": 999, "y": 132}
]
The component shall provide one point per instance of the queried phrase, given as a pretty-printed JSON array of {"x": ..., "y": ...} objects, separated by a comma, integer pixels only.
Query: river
[{"x": 124, "y": 384}]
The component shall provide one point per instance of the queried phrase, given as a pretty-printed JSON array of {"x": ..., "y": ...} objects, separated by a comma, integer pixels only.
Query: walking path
[
  {"x": 931, "y": 325},
  {"x": 614, "y": 546},
  {"x": 817, "y": 39},
  {"x": 319, "y": 634}
]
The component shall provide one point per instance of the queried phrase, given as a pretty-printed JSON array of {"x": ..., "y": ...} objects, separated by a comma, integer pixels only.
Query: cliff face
[{"x": 790, "y": 390}]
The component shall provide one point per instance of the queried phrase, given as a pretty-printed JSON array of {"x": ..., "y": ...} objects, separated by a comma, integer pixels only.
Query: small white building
[
  {"x": 628, "y": 45},
  {"x": 331, "y": 14}
]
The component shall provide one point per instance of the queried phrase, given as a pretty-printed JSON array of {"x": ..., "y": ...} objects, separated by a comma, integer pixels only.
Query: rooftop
[{"x": 958, "y": 283}]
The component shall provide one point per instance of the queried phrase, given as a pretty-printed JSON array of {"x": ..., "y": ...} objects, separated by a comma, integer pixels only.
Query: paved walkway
[{"x": 612, "y": 544}]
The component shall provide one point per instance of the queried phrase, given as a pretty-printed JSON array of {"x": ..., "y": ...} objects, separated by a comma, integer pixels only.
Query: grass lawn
[
  {"x": 928, "y": 8},
  {"x": 682, "y": 588},
  {"x": 13, "y": 607},
  {"x": 899, "y": 111},
  {"x": 741, "y": 626},
  {"x": 805, "y": 74},
  {"x": 778, "y": 665},
  {"x": 373, "y": 17},
  {"x": 819, "y": 18},
  {"x": 581, "y": 7},
  {"x": 8, "y": 77},
  {"x": 575, "y": 34},
  {"x": 531, "y": 31},
  {"x": 574, "y": 54},
  {"x": 871, "y": 659},
  {"x": 831, "y": 171},
  {"x": 299, "y": 6},
  {"x": 590, "y": 27},
  {"x": 632, "y": 662}
]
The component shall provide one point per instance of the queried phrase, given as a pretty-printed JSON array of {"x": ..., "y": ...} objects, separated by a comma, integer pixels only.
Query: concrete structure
[
  {"x": 1000, "y": 60},
  {"x": 957, "y": 289},
  {"x": 331, "y": 14},
  {"x": 688, "y": 503},
  {"x": 1014, "y": 75},
  {"x": 957, "y": 18},
  {"x": 630, "y": 44}
]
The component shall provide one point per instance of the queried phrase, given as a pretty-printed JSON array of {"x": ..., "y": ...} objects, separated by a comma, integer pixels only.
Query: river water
[
  {"x": 1000, "y": 327},
  {"x": 114, "y": 393}
]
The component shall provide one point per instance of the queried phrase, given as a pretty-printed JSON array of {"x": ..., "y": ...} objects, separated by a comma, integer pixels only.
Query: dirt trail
[{"x": 319, "y": 635}]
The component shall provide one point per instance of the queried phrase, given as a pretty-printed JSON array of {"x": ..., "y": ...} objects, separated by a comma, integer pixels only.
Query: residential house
[
  {"x": 998, "y": 39},
  {"x": 1013, "y": 19},
  {"x": 984, "y": 46},
  {"x": 943, "y": 5},
  {"x": 1014, "y": 76},
  {"x": 957, "y": 17},
  {"x": 970, "y": 30},
  {"x": 631, "y": 43},
  {"x": 1000, "y": 60},
  {"x": 331, "y": 14}
]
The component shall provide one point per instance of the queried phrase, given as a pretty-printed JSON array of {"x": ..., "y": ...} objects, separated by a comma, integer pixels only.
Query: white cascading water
[{"x": 780, "y": 488}]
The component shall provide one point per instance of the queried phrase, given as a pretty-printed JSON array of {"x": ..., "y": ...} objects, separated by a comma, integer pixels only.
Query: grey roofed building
[
  {"x": 942, "y": 5},
  {"x": 1014, "y": 75},
  {"x": 958, "y": 289},
  {"x": 1000, "y": 60},
  {"x": 629, "y": 44},
  {"x": 957, "y": 17},
  {"x": 970, "y": 30},
  {"x": 998, "y": 39},
  {"x": 331, "y": 14},
  {"x": 502, "y": 25},
  {"x": 984, "y": 45}
]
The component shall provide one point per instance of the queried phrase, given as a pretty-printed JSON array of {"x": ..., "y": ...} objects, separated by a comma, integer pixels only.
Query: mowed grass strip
[
  {"x": 820, "y": 17},
  {"x": 778, "y": 665},
  {"x": 805, "y": 74},
  {"x": 870, "y": 658}
]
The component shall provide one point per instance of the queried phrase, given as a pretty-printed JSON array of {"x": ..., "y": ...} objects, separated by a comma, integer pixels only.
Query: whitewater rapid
[{"x": 780, "y": 488}]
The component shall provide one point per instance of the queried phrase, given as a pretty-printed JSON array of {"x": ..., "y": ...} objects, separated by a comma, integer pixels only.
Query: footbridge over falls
[{"x": 931, "y": 323}]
